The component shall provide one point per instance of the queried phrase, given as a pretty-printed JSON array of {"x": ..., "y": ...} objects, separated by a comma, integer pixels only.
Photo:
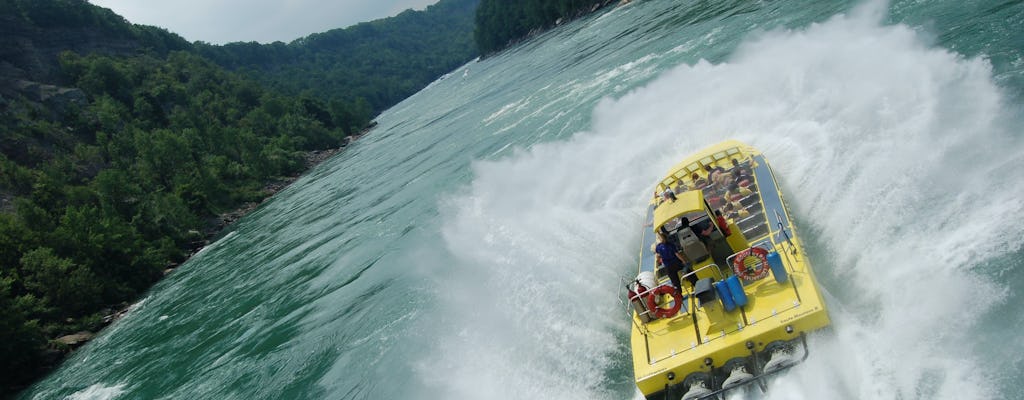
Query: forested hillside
[
  {"x": 34, "y": 33},
  {"x": 121, "y": 144},
  {"x": 377, "y": 63},
  {"x": 500, "y": 23}
]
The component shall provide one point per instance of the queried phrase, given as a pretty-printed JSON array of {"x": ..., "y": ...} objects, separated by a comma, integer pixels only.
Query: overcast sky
[{"x": 264, "y": 21}]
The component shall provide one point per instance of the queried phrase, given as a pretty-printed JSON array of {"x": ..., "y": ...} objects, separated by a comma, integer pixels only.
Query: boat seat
[
  {"x": 756, "y": 231},
  {"x": 750, "y": 221},
  {"x": 691, "y": 245},
  {"x": 750, "y": 200}
]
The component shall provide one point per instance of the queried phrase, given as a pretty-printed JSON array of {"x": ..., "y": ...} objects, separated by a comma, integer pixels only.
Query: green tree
[
  {"x": 501, "y": 22},
  {"x": 21, "y": 340},
  {"x": 71, "y": 288}
]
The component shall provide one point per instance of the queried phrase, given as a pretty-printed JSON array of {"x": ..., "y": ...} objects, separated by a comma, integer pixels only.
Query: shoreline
[{"x": 60, "y": 348}]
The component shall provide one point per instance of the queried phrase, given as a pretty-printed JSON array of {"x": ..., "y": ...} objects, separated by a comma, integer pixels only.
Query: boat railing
[
  {"x": 769, "y": 245},
  {"x": 764, "y": 244},
  {"x": 712, "y": 266},
  {"x": 642, "y": 295},
  {"x": 784, "y": 226}
]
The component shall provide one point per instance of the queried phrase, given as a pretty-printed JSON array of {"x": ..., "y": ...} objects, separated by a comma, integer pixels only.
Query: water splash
[
  {"x": 98, "y": 392},
  {"x": 898, "y": 157}
]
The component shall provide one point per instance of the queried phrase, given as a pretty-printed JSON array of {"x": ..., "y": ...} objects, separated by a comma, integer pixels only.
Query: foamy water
[{"x": 885, "y": 145}]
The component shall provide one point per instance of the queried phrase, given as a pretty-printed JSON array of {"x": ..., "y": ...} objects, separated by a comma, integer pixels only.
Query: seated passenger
[
  {"x": 713, "y": 169},
  {"x": 698, "y": 182},
  {"x": 668, "y": 195},
  {"x": 715, "y": 201},
  {"x": 717, "y": 175},
  {"x": 735, "y": 211},
  {"x": 743, "y": 169},
  {"x": 702, "y": 229},
  {"x": 741, "y": 178},
  {"x": 736, "y": 192}
]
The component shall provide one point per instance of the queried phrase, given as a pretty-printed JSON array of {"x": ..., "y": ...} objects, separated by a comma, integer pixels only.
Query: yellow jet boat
[{"x": 753, "y": 297}]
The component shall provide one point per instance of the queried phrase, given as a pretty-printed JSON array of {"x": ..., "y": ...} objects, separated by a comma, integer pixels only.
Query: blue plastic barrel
[
  {"x": 725, "y": 295},
  {"x": 739, "y": 297},
  {"x": 778, "y": 270}
]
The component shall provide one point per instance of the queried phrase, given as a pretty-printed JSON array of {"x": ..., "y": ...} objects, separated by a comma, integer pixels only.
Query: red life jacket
[{"x": 720, "y": 220}]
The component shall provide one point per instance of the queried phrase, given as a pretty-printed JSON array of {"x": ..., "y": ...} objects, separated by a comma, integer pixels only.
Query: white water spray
[{"x": 895, "y": 155}]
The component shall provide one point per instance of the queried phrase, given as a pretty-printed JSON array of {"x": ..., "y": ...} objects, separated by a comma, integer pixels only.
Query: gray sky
[{"x": 264, "y": 21}]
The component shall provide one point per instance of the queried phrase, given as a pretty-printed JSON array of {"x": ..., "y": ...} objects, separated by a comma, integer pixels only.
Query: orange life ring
[
  {"x": 754, "y": 270},
  {"x": 677, "y": 301}
]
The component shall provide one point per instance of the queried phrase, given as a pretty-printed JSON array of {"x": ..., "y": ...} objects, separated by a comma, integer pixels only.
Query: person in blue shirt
[{"x": 673, "y": 260}]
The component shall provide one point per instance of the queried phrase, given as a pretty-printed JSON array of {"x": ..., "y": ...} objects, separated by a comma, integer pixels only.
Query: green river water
[{"x": 473, "y": 244}]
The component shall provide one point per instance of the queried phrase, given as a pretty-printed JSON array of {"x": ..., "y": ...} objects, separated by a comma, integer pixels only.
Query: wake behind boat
[{"x": 749, "y": 296}]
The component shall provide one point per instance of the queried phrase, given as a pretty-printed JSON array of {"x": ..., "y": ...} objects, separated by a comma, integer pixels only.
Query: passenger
[
  {"x": 717, "y": 175},
  {"x": 714, "y": 201},
  {"x": 664, "y": 232},
  {"x": 657, "y": 257},
  {"x": 702, "y": 230},
  {"x": 680, "y": 187},
  {"x": 698, "y": 182},
  {"x": 668, "y": 195},
  {"x": 674, "y": 261},
  {"x": 736, "y": 211},
  {"x": 713, "y": 169},
  {"x": 743, "y": 169},
  {"x": 723, "y": 225},
  {"x": 736, "y": 192},
  {"x": 739, "y": 177}
]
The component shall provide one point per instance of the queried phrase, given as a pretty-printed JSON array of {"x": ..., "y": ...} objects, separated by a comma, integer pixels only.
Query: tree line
[
  {"x": 106, "y": 194},
  {"x": 377, "y": 63},
  {"x": 500, "y": 23}
]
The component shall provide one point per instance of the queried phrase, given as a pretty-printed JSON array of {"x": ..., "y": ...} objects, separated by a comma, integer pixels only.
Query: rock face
[
  {"x": 32, "y": 53},
  {"x": 33, "y": 34},
  {"x": 41, "y": 92},
  {"x": 75, "y": 340},
  {"x": 58, "y": 99},
  {"x": 6, "y": 202}
]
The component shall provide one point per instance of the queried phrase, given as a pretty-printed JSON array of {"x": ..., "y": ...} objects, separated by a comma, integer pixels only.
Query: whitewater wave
[
  {"x": 897, "y": 156},
  {"x": 98, "y": 392}
]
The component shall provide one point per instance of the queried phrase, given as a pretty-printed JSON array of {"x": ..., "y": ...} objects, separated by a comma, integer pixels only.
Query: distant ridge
[
  {"x": 34, "y": 32},
  {"x": 380, "y": 62},
  {"x": 369, "y": 66}
]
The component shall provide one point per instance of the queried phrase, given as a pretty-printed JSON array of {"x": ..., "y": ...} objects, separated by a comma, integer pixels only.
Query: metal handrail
[
  {"x": 628, "y": 305},
  {"x": 765, "y": 244},
  {"x": 717, "y": 269},
  {"x": 686, "y": 292}
]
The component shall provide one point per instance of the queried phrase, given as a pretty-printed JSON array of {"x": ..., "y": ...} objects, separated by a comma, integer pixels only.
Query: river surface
[{"x": 473, "y": 244}]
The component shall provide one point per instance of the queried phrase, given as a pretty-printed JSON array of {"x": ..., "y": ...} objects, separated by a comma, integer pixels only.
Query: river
[{"x": 472, "y": 245}]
